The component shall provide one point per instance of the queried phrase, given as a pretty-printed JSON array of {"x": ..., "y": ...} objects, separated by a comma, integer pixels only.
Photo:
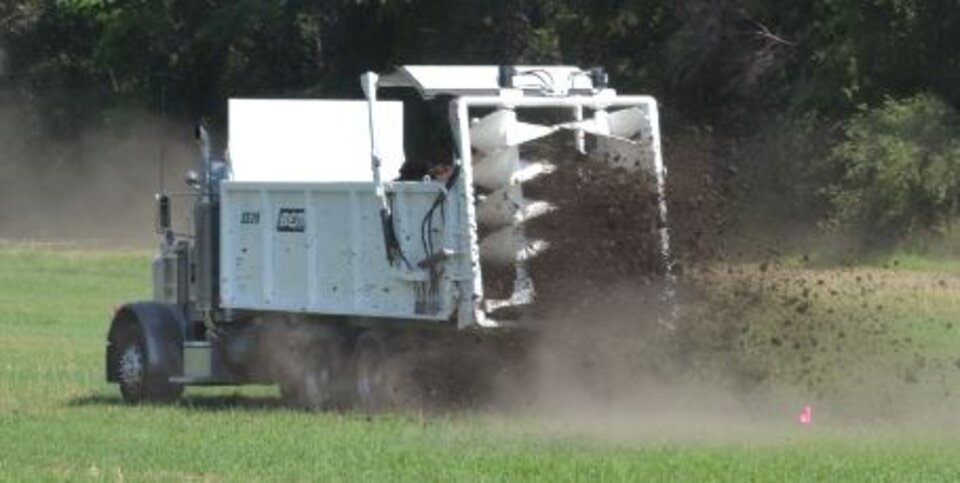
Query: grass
[
  {"x": 59, "y": 420},
  {"x": 887, "y": 340},
  {"x": 906, "y": 261}
]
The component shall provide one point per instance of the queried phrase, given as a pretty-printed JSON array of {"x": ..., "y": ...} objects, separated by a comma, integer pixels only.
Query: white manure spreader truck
[{"x": 323, "y": 252}]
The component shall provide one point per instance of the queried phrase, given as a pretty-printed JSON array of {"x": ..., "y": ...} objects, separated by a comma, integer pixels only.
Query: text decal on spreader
[
  {"x": 250, "y": 218},
  {"x": 291, "y": 220}
]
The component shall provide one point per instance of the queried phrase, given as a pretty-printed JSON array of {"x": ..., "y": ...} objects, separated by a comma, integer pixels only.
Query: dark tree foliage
[
  {"x": 705, "y": 56},
  {"x": 762, "y": 72}
]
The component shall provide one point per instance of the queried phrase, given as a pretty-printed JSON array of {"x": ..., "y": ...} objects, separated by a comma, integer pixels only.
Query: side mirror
[
  {"x": 192, "y": 179},
  {"x": 163, "y": 214}
]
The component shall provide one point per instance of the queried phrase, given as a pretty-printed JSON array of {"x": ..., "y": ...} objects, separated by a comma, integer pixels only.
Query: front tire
[{"x": 137, "y": 383}]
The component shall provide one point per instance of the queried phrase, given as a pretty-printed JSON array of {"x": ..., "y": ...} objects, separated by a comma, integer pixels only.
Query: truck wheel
[
  {"x": 377, "y": 372},
  {"x": 137, "y": 384},
  {"x": 313, "y": 378}
]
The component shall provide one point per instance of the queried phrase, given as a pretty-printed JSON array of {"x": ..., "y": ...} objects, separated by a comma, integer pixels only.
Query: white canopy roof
[
  {"x": 312, "y": 140},
  {"x": 478, "y": 80}
]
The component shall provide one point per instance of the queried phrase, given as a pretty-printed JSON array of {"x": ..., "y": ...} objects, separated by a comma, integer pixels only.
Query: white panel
[
  {"x": 318, "y": 248},
  {"x": 290, "y": 249},
  {"x": 335, "y": 285},
  {"x": 244, "y": 236},
  {"x": 312, "y": 140}
]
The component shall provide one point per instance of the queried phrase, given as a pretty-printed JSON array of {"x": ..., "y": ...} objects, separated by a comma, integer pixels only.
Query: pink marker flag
[{"x": 806, "y": 416}]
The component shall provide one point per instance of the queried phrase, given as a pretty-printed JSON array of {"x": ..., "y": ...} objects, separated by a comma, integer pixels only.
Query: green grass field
[{"x": 60, "y": 420}]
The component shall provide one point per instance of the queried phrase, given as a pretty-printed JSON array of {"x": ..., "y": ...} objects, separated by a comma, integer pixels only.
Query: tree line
[{"x": 860, "y": 95}]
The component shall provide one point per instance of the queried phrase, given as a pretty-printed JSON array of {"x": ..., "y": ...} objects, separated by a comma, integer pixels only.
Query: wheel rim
[
  {"x": 316, "y": 387},
  {"x": 130, "y": 370},
  {"x": 370, "y": 378}
]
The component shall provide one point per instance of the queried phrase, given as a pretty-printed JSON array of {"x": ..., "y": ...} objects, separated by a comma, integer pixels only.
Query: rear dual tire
[
  {"x": 378, "y": 376},
  {"x": 315, "y": 376},
  {"x": 323, "y": 371}
]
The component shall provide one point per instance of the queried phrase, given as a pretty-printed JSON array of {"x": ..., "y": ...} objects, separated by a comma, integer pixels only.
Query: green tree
[
  {"x": 901, "y": 165},
  {"x": 81, "y": 58}
]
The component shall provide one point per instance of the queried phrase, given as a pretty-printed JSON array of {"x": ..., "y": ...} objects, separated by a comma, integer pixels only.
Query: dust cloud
[
  {"x": 747, "y": 351},
  {"x": 751, "y": 338},
  {"x": 94, "y": 191}
]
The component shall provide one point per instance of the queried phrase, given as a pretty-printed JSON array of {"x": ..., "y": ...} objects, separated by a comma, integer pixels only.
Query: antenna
[{"x": 162, "y": 135}]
